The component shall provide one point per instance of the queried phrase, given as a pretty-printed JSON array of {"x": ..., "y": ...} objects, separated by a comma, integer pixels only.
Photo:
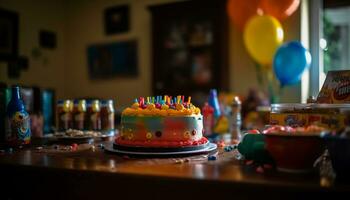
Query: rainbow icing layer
[{"x": 161, "y": 123}]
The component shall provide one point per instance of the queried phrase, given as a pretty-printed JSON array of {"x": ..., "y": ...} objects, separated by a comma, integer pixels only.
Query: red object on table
[{"x": 294, "y": 153}]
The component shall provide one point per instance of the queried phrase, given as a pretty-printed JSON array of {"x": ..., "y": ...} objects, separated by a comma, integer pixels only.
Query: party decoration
[
  {"x": 240, "y": 11},
  {"x": 279, "y": 9},
  {"x": 262, "y": 36},
  {"x": 290, "y": 61}
]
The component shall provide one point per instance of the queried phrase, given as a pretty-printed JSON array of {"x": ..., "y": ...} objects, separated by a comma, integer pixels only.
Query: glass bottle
[
  {"x": 79, "y": 113},
  {"x": 214, "y": 102},
  {"x": 64, "y": 117},
  {"x": 107, "y": 116},
  {"x": 93, "y": 116},
  {"x": 208, "y": 119},
  {"x": 17, "y": 120},
  {"x": 236, "y": 120}
]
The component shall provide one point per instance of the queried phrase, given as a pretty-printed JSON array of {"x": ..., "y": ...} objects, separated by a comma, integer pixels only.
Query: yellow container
[{"x": 330, "y": 116}]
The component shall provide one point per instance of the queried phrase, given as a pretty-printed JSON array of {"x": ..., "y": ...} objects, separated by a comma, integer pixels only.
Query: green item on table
[{"x": 252, "y": 147}]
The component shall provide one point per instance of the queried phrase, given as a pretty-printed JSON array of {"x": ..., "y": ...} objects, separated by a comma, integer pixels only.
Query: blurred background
[{"x": 124, "y": 49}]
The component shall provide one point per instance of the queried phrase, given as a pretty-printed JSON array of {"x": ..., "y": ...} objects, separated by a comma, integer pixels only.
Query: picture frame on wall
[
  {"x": 47, "y": 39},
  {"x": 115, "y": 59},
  {"x": 116, "y": 19},
  {"x": 9, "y": 35}
]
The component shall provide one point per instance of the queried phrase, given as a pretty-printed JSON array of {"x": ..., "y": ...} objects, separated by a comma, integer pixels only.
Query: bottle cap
[{"x": 236, "y": 101}]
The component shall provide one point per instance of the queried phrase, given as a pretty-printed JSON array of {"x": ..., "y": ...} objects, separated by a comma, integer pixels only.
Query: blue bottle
[
  {"x": 18, "y": 124},
  {"x": 214, "y": 102}
]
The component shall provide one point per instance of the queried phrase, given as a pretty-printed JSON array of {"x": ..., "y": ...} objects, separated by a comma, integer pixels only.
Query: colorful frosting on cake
[{"x": 161, "y": 122}]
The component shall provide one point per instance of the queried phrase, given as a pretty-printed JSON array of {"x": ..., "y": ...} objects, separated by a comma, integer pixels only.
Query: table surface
[{"x": 92, "y": 166}]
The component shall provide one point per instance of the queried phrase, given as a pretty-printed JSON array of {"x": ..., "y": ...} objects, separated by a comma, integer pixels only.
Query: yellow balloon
[{"x": 262, "y": 36}]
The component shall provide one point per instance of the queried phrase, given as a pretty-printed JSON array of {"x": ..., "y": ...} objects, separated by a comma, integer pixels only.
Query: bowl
[
  {"x": 294, "y": 152},
  {"x": 339, "y": 151}
]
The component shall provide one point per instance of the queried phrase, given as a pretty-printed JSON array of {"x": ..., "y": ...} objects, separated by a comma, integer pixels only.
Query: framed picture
[
  {"x": 47, "y": 39},
  {"x": 8, "y": 35},
  {"x": 113, "y": 59},
  {"x": 116, "y": 19}
]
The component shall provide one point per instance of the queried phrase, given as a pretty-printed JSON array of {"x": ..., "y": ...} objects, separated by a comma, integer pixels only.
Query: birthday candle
[
  {"x": 189, "y": 100},
  {"x": 183, "y": 99}
]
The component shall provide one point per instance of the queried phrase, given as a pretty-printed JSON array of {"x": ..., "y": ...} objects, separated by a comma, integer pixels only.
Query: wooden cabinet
[{"x": 189, "y": 47}]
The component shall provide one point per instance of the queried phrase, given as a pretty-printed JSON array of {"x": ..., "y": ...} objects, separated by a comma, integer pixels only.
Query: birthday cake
[{"x": 159, "y": 122}]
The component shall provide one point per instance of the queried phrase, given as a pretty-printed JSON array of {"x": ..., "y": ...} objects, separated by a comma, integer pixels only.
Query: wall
[
  {"x": 85, "y": 22},
  {"x": 85, "y": 27},
  {"x": 35, "y": 15},
  {"x": 79, "y": 23}
]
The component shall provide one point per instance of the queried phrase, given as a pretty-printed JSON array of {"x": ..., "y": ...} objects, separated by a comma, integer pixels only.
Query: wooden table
[{"x": 93, "y": 174}]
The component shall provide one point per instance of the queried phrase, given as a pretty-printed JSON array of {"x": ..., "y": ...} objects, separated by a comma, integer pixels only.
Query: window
[
  {"x": 336, "y": 35},
  {"x": 329, "y": 22}
]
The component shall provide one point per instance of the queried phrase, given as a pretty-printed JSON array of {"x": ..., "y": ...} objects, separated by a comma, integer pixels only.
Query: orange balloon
[
  {"x": 240, "y": 11},
  {"x": 280, "y": 9}
]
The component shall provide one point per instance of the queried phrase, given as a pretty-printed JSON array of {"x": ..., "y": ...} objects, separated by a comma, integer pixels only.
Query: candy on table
[
  {"x": 290, "y": 130},
  {"x": 211, "y": 158},
  {"x": 10, "y": 150},
  {"x": 249, "y": 162},
  {"x": 253, "y": 131},
  {"x": 221, "y": 143},
  {"x": 279, "y": 129},
  {"x": 74, "y": 146},
  {"x": 229, "y": 148},
  {"x": 259, "y": 169}
]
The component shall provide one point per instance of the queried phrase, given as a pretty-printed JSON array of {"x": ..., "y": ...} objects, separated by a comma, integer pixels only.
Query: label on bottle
[
  {"x": 18, "y": 128},
  {"x": 107, "y": 121},
  {"x": 95, "y": 121},
  {"x": 65, "y": 121},
  {"x": 79, "y": 121}
]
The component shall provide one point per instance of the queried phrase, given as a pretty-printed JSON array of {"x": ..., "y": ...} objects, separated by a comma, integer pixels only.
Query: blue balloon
[{"x": 290, "y": 61}]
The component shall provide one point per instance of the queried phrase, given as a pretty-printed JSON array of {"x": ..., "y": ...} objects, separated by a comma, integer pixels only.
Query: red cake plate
[{"x": 171, "y": 151}]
